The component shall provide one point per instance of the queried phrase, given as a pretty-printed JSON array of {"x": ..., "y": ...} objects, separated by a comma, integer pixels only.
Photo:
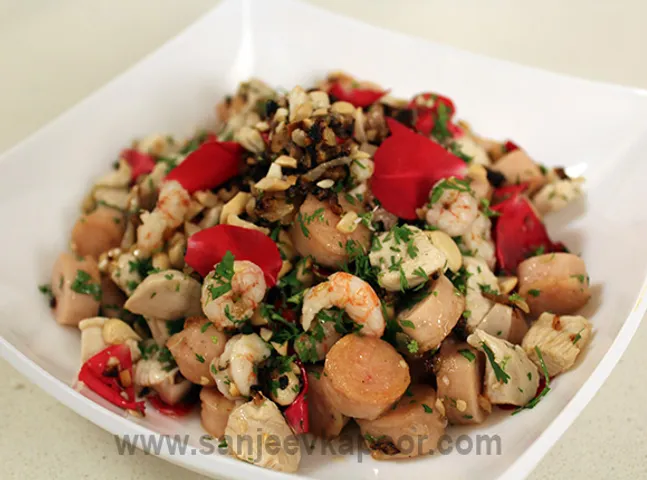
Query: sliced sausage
[
  {"x": 364, "y": 376},
  {"x": 410, "y": 429},
  {"x": 314, "y": 232},
  {"x": 325, "y": 420},
  {"x": 433, "y": 318},
  {"x": 76, "y": 287},
  {"x": 459, "y": 375},
  {"x": 554, "y": 282},
  {"x": 195, "y": 347},
  {"x": 98, "y": 231},
  {"x": 215, "y": 411}
]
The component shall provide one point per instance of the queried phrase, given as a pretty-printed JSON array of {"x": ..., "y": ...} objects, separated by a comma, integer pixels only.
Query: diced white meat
[
  {"x": 511, "y": 378},
  {"x": 402, "y": 262},
  {"x": 560, "y": 339},
  {"x": 475, "y": 302}
]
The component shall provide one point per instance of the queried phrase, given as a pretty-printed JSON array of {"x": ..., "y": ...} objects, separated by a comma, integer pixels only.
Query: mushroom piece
[
  {"x": 76, "y": 286},
  {"x": 511, "y": 378},
  {"x": 413, "y": 427},
  {"x": 405, "y": 253},
  {"x": 557, "y": 195},
  {"x": 325, "y": 420},
  {"x": 173, "y": 390},
  {"x": 314, "y": 233},
  {"x": 506, "y": 322},
  {"x": 459, "y": 374},
  {"x": 166, "y": 295},
  {"x": 195, "y": 347},
  {"x": 430, "y": 320},
  {"x": 256, "y": 432},
  {"x": 364, "y": 376},
  {"x": 98, "y": 231},
  {"x": 287, "y": 385},
  {"x": 517, "y": 167},
  {"x": 215, "y": 411},
  {"x": 559, "y": 339},
  {"x": 480, "y": 277},
  {"x": 554, "y": 282},
  {"x": 112, "y": 298}
]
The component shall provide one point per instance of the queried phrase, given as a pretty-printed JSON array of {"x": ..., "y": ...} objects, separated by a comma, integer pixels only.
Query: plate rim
[{"x": 119, "y": 425}]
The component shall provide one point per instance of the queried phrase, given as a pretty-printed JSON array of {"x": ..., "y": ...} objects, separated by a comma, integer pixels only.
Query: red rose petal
[
  {"x": 207, "y": 247},
  {"x": 519, "y": 232},
  {"x": 140, "y": 163},
  {"x": 359, "y": 97},
  {"x": 210, "y": 165},
  {"x": 407, "y": 166}
]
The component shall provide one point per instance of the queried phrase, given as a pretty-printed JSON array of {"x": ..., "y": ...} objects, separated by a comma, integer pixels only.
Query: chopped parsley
[
  {"x": 448, "y": 184},
  {"x": 538, "y": 251},
  {"x": 499, "y": 373},
  {"x": 205, "y": 327},
  {"x": 485, "y": 208},
  {"x": 427, "y": 408},
  {"x": 46, "y": 290},
  {"x": 199, "y": 358},
  {"x": 534, "y": 292},
  {"x": 468, "y": 354},
  {"x": 580, "y": 277},
  {"x": 577, "y": 337},
  {"x": 83, "y": 284},
  {"x": 223, "y": 274},
  {"x": 532, "y": 403},
  {"x": 305, "y": 220},
  {"x": 413, "y": 346}
]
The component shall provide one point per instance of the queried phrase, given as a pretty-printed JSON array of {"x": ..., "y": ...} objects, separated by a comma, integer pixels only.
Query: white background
[{"x": 55, "y": 52}]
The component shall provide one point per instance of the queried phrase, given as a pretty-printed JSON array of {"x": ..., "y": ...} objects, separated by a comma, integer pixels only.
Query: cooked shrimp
[
  {"x": 172, "y": 205},
  {"x": 351, "y": 293},
  {"x": 454, "y": 212},
  {"x": 236, "y": 305},
  {"x": 237, "y": 365},
  {"x": 478, "y": 240}
]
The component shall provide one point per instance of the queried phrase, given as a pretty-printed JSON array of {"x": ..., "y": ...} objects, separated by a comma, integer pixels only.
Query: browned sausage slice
[
  {"x": 76, "y": 286},
  {"x": 554, "y": 282},
  {"x": 459, "y": 374},
  {"x": 215, "y": 411},
  {"x": 98, "y": 231},
  {"x": 325, "y": 420},
  {"x": 364, "y": 376},
  {"x": 413, "y": 428}
]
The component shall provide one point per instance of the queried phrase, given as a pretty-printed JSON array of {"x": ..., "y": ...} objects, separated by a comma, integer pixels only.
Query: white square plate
[{"x": 559, "y": 120}]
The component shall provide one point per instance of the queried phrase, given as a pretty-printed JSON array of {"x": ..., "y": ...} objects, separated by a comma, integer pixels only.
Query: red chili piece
[
  {"x": 510, "y": 146},
  {"x": 298, "y": 413},
  {"x": 96, "y": 375},
  {"x": 181, "y": 409},
  {"x": 407, "y": 165},
  {"x": 428, "y": 115},
  {"x": 210, "y": 165},
  {"x": 140, "y": 163},
  {"x": 207, "y": 247},
  {"x": 359, "y": 97}
]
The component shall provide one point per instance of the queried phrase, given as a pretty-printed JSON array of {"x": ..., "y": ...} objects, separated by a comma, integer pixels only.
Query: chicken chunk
[
  {"x": 511, "y": 378},
  {"x": 406, "y": 258},
  {"x": 560, "y": 339}
]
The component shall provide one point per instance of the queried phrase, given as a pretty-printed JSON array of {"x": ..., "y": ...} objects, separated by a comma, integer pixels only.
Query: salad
[{"x": 320, "y": 257}]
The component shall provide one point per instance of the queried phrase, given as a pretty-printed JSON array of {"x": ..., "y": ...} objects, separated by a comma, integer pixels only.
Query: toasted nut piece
[
  {"x": 299, "y": 137},
  {"x": 327, "y": 183},
  {"x": 207, "y": 198},
  {"x": 345, "y": 108},
  {"x": 195, "y": 208},
  {"x": 281, "y": 348},
  {"x": 302, "y": 112},
  {"x": 266, "y": 334},
  {"x": 116, "y": 331},
  {"x": 507, "y": 284},
  {"x": 161, "y": 261},
  {"x": 257, "y": 319},
  {"x": 320, "y": 112},
  {"x": 319, "y": 100},
  {"x": 477, "y": 172},
  {"x": 262, "y": 126},
  {"x": 211, "y": 217},
  {"x": 347, "y": 223},
  {"x": 177, "y": 245},
  {"x": 274, "y": 171},
  {"x": 445, "y": 244},
  {"x": 286, "y": 266},
  {"x": 250, "y": 139},
  {"x": 191, "y": 228},
  {"x": 234, "y": 206},
  {"x": 239, "y": 222},
  {"x": 521, "y": 304},
  {"x": 286, "y": 161},
  {"x": 273, "y": 184}
]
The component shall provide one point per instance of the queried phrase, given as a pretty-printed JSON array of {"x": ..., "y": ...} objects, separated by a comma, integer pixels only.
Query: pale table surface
[{"x": 55, "y": 52}]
